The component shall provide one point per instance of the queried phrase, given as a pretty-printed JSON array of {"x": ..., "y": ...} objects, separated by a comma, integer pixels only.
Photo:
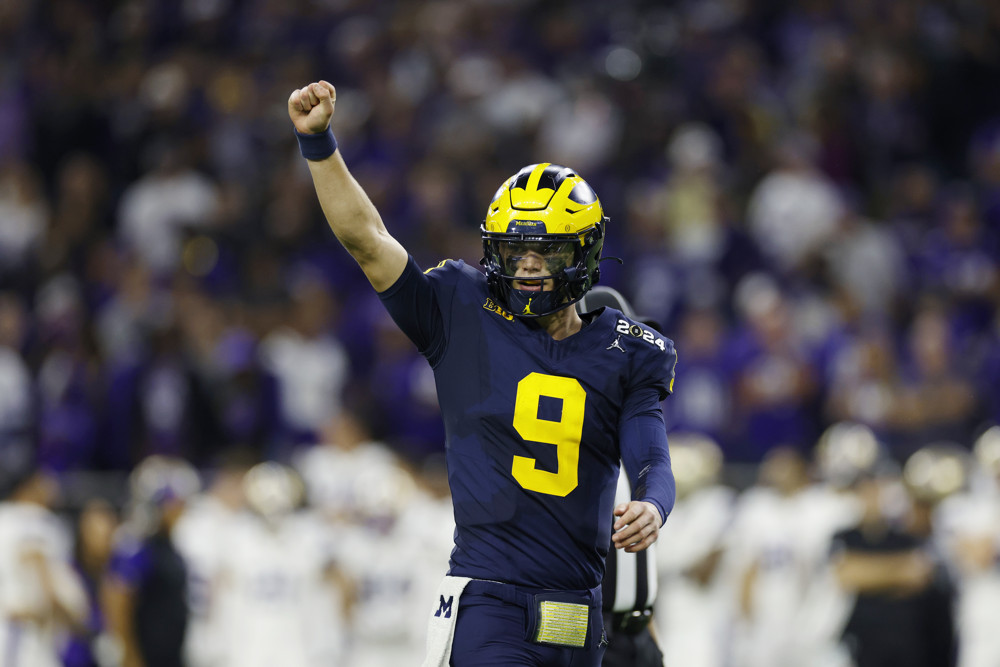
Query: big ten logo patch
[
  {"x": 492, "y": 306},
  {"x": 444, "y": 607}
]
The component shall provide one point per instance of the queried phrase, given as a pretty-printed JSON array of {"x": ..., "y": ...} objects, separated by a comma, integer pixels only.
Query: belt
[{"x": 628, "y": 622}]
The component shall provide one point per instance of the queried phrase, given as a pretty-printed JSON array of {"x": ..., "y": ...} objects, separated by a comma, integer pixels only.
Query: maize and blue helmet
[{"x": 547, "y": 211}]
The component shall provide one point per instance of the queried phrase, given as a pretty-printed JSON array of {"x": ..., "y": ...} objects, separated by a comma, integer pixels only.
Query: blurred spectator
[
  {"x": 161, "y": 405},
  {"x": 958, "y": 263},
  {"x": 17, "y": 391},
  {"x": 243, "y": 395},
  {"x": 402, "y": 392},
  {"x": 774, "y": 383},
  {"x": 307, "y": 360},
  {"x": 69, "y": 376},
  {"x": 934, "y": 400},
  {"x": 25, "y": 212},
  {"x": 794, "y": 210},
  {"x": 155, "y": 209},
  {"x": 706, "y": 404},
  {"x": 867, "y": 263}
]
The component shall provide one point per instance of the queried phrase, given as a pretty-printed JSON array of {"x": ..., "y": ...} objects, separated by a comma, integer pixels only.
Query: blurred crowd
[{"x": 805, "y": 194}]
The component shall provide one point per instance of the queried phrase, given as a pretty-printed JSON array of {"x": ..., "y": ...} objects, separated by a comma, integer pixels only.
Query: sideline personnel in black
[{"x": 629, "y": 585}]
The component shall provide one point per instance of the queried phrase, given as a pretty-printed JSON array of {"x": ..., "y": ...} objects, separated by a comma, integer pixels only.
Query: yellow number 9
[{"x": 565, "y": 434}]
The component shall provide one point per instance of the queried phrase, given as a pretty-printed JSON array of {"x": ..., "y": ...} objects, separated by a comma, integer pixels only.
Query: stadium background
[{"x": 806, "y": 195}]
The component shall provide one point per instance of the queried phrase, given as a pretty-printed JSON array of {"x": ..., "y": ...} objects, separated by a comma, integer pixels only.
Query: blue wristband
[{"x": 317, "y": 146}]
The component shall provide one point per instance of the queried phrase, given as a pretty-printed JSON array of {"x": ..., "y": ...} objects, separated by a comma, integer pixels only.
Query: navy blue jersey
[{"x": 532, "y": 425}]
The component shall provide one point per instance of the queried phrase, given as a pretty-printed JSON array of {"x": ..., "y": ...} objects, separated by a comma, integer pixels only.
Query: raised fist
[{"x": 311, "y": 108}]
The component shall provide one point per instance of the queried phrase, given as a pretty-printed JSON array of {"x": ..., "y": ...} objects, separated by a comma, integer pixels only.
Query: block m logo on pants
[{"x": 444, "y": 607}]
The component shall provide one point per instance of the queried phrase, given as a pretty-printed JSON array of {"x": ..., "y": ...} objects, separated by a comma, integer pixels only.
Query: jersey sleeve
[
  {"x": 642, "y": 431},
  {"x": 414, "y": 303},
  {"x": 658, "y": 368},
  {"x": 644, "y": 451}
]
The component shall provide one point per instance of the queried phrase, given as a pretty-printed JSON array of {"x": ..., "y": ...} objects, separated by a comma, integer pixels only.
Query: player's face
[{"x": 533, "y": 260}]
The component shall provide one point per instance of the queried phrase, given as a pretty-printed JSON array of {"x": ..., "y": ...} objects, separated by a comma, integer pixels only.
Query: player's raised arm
[{"x": 349, "y": 212}]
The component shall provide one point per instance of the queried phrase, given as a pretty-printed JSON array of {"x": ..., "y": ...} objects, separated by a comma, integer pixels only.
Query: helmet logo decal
[
  {"x": 526, "y": 227},
  {"x": 527, "y": 308}
]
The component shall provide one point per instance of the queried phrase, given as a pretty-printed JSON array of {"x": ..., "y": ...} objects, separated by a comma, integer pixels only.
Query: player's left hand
[{"x": 637, "y": 526}]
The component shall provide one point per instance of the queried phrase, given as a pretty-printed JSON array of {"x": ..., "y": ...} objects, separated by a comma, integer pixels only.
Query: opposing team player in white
[
  {"x": 394, "y": 552},
  {"x": 970, "y": 526},
  {"x": 845, "y": 451},
  {"x": 694, "y": 608},
  {"x": 202, "y": 538},
  {"x": 278, "y": 596},
  {"x": 330, "y": 469},
  {"x": 779, "y": 550},
  {"x": 41, "y": 597}
]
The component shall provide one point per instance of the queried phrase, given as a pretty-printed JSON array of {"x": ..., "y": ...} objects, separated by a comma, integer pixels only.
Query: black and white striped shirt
[{"x": 629, "y": 578}]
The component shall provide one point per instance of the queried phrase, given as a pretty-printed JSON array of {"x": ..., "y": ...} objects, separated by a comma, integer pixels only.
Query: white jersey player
[
  {"x": 202, "y": 538},
  {"x": 394, "y": 552},
  {"x": 970, "y": 526},
  {"x": 276, "y": 602},
  {"x": 693, "y": 610},
  {"x": 778, "y": 545},
  {"x": 330, "y": 469},
  {"x": 41, "y": 596},
  {"x": 844, "y": 451}
]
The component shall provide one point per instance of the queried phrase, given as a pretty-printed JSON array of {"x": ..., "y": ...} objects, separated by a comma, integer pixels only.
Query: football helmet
[
  {"x": 696, "y": 460},
  {"x": 936, "y": 471},
  {"x": 847, "y": 451},
  {"x": 272, "y": 490},
  {"x": 544, "y": 224},
  {"x": 987, "y": 450}
]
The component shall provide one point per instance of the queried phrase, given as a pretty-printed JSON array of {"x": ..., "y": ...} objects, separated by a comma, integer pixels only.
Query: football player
[
  {"x": 42, "y": 596},
  {"x": 969, "y": 523},
  {"x": 770, "y": 558},
  {"x": 694, "y": 608},
  {"x": 539, "y": 405},
  {"x": 202, "y": 538},
  {"x": 394, "y": 568},
  {"x": 279, "y": 595}
]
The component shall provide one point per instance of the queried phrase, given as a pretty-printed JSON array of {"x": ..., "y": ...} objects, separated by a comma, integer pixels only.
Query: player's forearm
[
  {"x": 647, "y": 460},
  {"x": 348, "y": 210},
  {"x": 874, "y": 573},
  {"x": 118, "y": 603}
]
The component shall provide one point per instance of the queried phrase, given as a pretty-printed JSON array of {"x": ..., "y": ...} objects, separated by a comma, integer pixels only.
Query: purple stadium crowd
[{"x": 806, "y": 196}]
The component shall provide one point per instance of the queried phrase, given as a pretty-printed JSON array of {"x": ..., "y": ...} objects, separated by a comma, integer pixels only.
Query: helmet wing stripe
[{"x": 536, "y": 176}]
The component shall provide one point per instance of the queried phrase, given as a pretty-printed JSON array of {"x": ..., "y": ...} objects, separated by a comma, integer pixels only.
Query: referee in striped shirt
[
  {"x": 629, "y": 586},
  {"x": 629, "y": 589}
]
